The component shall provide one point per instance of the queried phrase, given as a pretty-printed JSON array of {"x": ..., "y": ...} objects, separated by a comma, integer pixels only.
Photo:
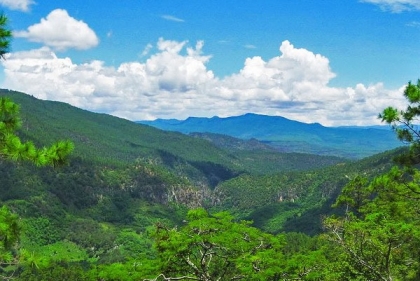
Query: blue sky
[{"x": 328, "y": 61}]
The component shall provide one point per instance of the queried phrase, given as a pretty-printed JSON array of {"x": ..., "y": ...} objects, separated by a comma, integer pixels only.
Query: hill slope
[
  {"x": 295, "y": 201},
  {"x": 259, "y": 158}
]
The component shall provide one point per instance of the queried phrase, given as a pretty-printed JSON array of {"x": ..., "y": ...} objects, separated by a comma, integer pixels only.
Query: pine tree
[
  {"x": 11, "y": 146},
  {"x": 5, "y": 36}
]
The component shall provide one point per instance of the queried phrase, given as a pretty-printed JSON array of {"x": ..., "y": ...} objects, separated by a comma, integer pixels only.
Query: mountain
[
  {"x": 290, "y": 136},
  {"x": 109, "y": 140}
]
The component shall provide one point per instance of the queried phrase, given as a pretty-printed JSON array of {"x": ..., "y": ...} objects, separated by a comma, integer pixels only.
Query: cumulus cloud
[
  {"x": 61, "y": 32},
  {"x": 174, "y": 82},
  {"x": 20, "y": 5},
  {"x": 396, "y": 6}
]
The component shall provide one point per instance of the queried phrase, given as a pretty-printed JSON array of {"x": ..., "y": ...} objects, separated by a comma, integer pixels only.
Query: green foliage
[
  {"x": 380, "y": 236},
  {"x": 58, "y": 270},
  {"x": 65, "y": 210},
  {"x": 405, "y": 122},
  {"x": 213, "y": 247},
  {"x": 85, "y": 233},
  {"x": 62, "y": 250},
  {"x": 9, "y": 234},
  {"x": 294, "y": 201},
  {"x": 11, "y": 147},
  {"x": 306, "y": 258},
  {"x": 133, "y": 245},
  {"x": 5, "y": 36},
  {"x": 41, "y": 231},
  {"x": 354, "y": 195},
  {"x": 134, "y": 270}
]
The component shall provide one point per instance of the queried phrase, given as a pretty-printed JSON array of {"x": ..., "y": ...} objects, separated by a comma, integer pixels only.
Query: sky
[{"x": 330, "y": 62}]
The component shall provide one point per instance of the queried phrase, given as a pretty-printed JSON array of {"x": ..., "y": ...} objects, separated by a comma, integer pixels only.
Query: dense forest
[{"x": 87, "y": 196}]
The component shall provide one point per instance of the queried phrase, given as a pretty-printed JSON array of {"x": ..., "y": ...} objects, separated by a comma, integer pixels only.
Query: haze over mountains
[{"x": 290, "y": 136}]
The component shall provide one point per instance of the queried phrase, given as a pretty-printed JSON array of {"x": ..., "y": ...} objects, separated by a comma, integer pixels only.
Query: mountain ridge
[{"x": 289, "y": 135}]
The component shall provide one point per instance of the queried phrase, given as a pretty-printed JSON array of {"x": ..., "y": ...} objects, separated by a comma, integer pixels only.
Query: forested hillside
[
  {"x": 137, "y": 203},
  {"x": 295, "y": 201}
]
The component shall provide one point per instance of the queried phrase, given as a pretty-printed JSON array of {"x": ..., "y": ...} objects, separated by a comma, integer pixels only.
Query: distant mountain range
[{"x": 290, "y": 136}]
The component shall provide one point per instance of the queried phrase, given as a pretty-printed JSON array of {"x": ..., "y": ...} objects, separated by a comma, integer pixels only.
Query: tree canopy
[{"x": 213, "y": 247}]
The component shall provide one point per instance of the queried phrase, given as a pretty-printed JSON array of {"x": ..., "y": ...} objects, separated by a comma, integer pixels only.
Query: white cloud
[
  {"x": 60, "y": 31},
  {"x": 20, "y": 5},
  {"x": 175, "y": 83},
  {"x": 172, "y": 18},
  {"x": 396, "y": 6}
]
